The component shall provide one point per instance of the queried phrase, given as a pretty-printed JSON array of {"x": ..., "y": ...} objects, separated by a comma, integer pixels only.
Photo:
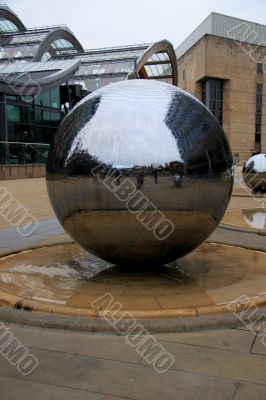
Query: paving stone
[
  {"x": 259, "y": 346},
  {"x": 102, "y": 346},
  {"x": 115, "y": 398},
  {"x": 229, "y": 339},
  {"x": 250, "y": 392},
  {"x": 14, "y": 389},
  {"x": 6, "y": 369},
  {"x": 128, "y": 380},
  {"x": 216, "y": 362}
]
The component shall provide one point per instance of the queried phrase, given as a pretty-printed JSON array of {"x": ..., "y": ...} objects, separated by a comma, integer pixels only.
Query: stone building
[{"x": 223, "y": 64}]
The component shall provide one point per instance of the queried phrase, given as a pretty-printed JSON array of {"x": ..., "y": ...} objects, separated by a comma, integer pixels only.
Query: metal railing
[{"x": 14, "y": 153}]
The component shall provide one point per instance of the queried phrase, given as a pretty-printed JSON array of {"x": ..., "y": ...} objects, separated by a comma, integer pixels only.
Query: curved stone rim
[{"x": 22, "y": 303}]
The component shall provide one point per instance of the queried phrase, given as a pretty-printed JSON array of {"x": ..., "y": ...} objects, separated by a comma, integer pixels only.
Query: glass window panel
[
  {"x": 38, "y": 116},
  {"x": 212, "y": 96},
  {"x": 12, "y": 132},
  {"x": 163, "y": 56},
  {"x": 18, "y": 51},
  {"x": 258, "y": 118},
  {"x": 46, "y": 117},
  {"x": 27, "y": 115},
  {"x": 258, "y": 98},
  {"x": 101, "y": 68},
  {"x": 259, "y": 68},
  {"x": 167, "y": 69},
  {"x": 43, "y": 99},
  {"x": 259, "y": 108},
  {"x": 27, "y": 38},
  {"x": 46, "y": 56},
  {"x": 11, "y": 97},
  {"x": 55, "y": 98},
  {"x": 55, "y": 119},
  {"x": 7, "y": 26},
  {"x": 13, "y": 113},
  {"x": 93, "y": 84},
  {"x": 259, "y": 88},
  {"x": 148, "y": 70}
]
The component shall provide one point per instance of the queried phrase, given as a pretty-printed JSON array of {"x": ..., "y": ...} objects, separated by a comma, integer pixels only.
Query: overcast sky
[{"x": 100, "y": 23}]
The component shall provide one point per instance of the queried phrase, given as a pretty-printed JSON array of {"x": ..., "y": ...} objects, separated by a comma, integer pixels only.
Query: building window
[
  {"x": 212, "y": 97},
  {"x": 259, "y": 68},
  {"x": 259, "y": 92}
]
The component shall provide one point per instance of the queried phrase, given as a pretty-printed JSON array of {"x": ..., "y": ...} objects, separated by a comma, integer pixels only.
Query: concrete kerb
[{"x": 185, "y": 324}]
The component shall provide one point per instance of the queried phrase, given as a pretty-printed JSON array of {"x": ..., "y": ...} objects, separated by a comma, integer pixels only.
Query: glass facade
[
  {"x": 7, "y": 26},
  {"x": 158, "y": 66},
  {"x": 258, "y": 114},
  {"x": 212, "y": 97},
  {"x": 32, "y": 122},
  {"x": 31, "y": 125},
  {"x": 57, "y": 48},
  {"x": 260, "y": 68},
  {"x": 46, "y": 57}
]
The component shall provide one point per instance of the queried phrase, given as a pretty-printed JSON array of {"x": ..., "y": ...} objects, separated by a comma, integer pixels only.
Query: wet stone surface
[{"x": 68, "y": 275}]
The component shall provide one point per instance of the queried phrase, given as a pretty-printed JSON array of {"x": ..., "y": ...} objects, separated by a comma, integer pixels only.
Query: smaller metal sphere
[{"x": 254, "y": 173}]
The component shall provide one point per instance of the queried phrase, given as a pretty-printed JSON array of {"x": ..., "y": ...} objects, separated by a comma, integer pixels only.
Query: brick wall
[{"x": 236, "y": 63}]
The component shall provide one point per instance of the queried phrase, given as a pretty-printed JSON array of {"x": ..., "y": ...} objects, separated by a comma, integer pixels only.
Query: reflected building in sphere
[{"x": 139, "y": 172}]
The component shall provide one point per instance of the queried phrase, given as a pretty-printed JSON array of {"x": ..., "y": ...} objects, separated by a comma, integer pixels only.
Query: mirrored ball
[
  {"x": 139, "y": 173},
  {"x": 254, "y": 173}
]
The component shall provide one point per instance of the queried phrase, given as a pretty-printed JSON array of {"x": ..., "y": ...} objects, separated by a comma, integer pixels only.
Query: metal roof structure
[
  {"x": 97, "y": 67},
  {"x": 38, "y": 44},
  {"x": 105, "y": 65},
  {"x": 227, "y": 27},
  {"x": 33, "y": 77},
  {"x": 9, "y": 21}
]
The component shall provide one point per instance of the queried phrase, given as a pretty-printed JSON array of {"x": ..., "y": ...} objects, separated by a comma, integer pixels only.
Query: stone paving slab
[
  {"x": 217, "y": 362},
  {"x": 229, "y": 339},
  {"x": 127, "y": 380},
  {"x": 10, "y": 239},
  {"x": 14, "y": 389},
  {"x": 102, "y": 346},
  {"x": 247, "y": 391},
  {"x": 77, "y": 365},
  {"x": 259, "y": 346}
]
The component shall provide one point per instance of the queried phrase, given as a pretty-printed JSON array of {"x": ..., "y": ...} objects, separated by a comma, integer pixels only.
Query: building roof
[
  {"x": 226, "y": 27},
  {"x": 102, "y": 66},
  {"x": 97, "y": 67},
  {"x": 37, "y": 44},
  {"x": 9, "y": 21},
  {"x": 33, "y": 77}
]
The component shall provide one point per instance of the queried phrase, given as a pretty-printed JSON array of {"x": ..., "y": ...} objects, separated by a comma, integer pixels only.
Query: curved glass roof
[
  {"x": 57, "y": 48},
  {"x": 7, "y": 26},
  {"x": 38, "y": 44},
  {"x": 145, "y": 61},
  {"x": 9, "y": 21},
  {"x": 29, "y": 78},
  {"x": 97, "y": 67}
]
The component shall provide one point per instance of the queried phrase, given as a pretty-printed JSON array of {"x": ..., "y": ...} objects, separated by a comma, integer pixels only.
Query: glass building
[{"x": 45, "y": 71}]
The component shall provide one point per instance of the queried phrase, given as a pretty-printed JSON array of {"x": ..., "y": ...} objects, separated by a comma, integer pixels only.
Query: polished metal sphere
[
  {"x": 254, "y": 173},
  {"x": 139, "y": 173}
]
